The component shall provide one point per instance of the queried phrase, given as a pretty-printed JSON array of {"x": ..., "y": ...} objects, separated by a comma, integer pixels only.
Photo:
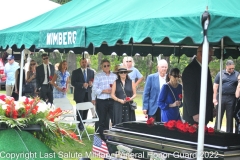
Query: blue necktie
[{"x": 85, "y": 76}]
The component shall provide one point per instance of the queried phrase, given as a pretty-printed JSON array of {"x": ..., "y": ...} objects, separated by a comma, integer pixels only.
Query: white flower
[
  {"x": 4, "y": 106},
  {"x": 2, "y": 102},
  {"x": 42, "y": 106}
]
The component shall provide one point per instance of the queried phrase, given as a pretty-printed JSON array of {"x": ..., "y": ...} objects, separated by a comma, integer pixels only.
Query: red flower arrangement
[
  {"x": 27, "y": 112},
  {"x": 185, "y": 127}
]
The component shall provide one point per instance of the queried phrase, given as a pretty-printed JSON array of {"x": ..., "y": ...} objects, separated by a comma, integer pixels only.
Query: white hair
[
  {"x": 162, "y": 61},
  {"x": 128, "y": 58}
]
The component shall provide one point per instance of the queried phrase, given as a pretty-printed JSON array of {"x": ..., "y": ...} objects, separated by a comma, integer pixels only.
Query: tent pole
[
  {"x": 220, "y": 89},
  {"x": 203, "y": 91},
  {"x": 21, "y": 75}
]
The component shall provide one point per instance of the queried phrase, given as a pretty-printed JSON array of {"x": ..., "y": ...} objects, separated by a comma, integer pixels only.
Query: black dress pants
[
  {"x": 46, "y": 93},
  {"x": 104, "y": 108},
  {"x": 83, "y": 113},
  {"x": 228, "y": 105}
]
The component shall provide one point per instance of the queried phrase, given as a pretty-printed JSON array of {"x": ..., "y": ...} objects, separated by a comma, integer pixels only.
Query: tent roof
[
  {"x": 14, "y": 12},
  {"x": 105, "y": 23}
]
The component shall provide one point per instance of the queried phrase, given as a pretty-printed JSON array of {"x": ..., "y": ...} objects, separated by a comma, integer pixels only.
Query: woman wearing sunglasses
[
  {"x": 170, "y": 97},
  {"x": 31, "y": 79},
  {"x": 123, "y": 92}
]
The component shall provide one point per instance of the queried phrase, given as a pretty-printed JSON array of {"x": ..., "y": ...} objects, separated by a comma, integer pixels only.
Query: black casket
[{"x": 137, "y": 140}]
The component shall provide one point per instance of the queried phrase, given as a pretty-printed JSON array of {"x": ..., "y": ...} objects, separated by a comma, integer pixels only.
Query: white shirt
[
  {"x": 162, "y": 81},
  {"x": 45, "y": 73}
]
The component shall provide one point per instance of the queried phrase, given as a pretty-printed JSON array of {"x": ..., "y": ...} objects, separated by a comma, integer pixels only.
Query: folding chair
[
  {"x": 70, "y": 118},
  {"x": 85, "y": 106}
]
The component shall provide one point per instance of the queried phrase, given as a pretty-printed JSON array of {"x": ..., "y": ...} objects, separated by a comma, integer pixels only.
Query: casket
[{"x": 137, "y": 140}]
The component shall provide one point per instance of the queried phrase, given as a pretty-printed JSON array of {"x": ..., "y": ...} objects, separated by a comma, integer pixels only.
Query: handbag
[
  {"x": 133, "y": 105},
  {"x": 28, "y": 88}
]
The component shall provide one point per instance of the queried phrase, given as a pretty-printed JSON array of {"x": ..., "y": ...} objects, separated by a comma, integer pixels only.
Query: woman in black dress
[{"x": 123, "y": 92}]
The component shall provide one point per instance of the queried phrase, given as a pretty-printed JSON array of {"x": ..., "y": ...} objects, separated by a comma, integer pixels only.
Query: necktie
[
  {"x": 47, "y": 74},
  {"x": 85, "y": 76}
]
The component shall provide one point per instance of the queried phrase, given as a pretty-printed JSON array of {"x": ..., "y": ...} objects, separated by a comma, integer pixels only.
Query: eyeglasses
[
  {"x": 106, "y": 66},
  {"x": 32, "y": 64},
  {"x": 123, "y": 72},
  {"x": 176, "y": 76},
  {"x": 128, "y": 61},
  {"x": 45, "y": 58}
]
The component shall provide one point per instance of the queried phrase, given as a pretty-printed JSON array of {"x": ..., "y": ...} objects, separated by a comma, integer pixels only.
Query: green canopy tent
[{"x": 156, "y": 27}]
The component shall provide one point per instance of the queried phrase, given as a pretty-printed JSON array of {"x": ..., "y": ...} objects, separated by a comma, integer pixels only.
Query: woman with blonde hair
[
  {"x": 60, "y": 81},
  {"x": 31, "y": 79},
  {"x": 135, "y": 75}
]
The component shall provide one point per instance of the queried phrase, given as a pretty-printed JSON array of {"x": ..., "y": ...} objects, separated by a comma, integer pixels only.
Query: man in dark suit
[
  {"x": 44, "y": 72},
  {"x": 82, "y": 80},
  {"x": 191, "y": 79}
]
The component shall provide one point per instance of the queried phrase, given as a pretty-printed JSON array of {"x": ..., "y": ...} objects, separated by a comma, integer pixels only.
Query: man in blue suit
[{"x": 152, "y": 89}]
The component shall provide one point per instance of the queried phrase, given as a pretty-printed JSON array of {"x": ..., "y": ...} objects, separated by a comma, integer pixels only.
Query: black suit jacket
[
  {"x": 191, "y": 79},
  {"x": 40, "y": 75},
  {"x": 77, "y": 81}
]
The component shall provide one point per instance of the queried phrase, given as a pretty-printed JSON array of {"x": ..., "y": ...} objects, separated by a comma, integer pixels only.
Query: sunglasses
[
  {"x": 176, "y": 76},
  {"x": 45, "y": 58},
  {"x": 106, "y": 66},
  {"x": 128, "y": 61},
  {"x": 123, "y": 72},
  {"x": 32, "y": 64}
]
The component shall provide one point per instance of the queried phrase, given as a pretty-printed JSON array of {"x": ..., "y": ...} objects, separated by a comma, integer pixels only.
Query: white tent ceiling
[{"x": 13, "y": 12}]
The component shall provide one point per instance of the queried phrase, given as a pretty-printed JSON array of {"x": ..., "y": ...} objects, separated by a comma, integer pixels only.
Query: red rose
[
  {"x": 171, "y": 123},
  {"x": 191, "y": 129},
  {"x": 127, "y": 98},
  {"x": 186, "y": 125},
  {"x": 180, "y": 96},
  {"x": 3, "y": 97},
  {"x": 110, "y": 85},
  {"x": 150, "y": 121},
  {"x": 50, "y": 78},
  {"x": 210, "y": 130},
  {"x": 64, "y": 88},
  {"x": 178, "y": 124}
]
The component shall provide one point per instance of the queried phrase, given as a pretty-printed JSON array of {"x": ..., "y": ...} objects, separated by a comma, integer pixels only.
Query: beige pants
[{"x": 9, "y": 90}]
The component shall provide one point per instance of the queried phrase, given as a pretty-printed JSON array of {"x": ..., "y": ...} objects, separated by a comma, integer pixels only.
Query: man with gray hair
[
  {"x": 229, "y": 85},
  {"x": 152, "y": 89}
]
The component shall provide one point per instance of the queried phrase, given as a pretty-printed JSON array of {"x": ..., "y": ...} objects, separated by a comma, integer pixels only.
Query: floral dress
[{"x": 61, "y": 82}]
